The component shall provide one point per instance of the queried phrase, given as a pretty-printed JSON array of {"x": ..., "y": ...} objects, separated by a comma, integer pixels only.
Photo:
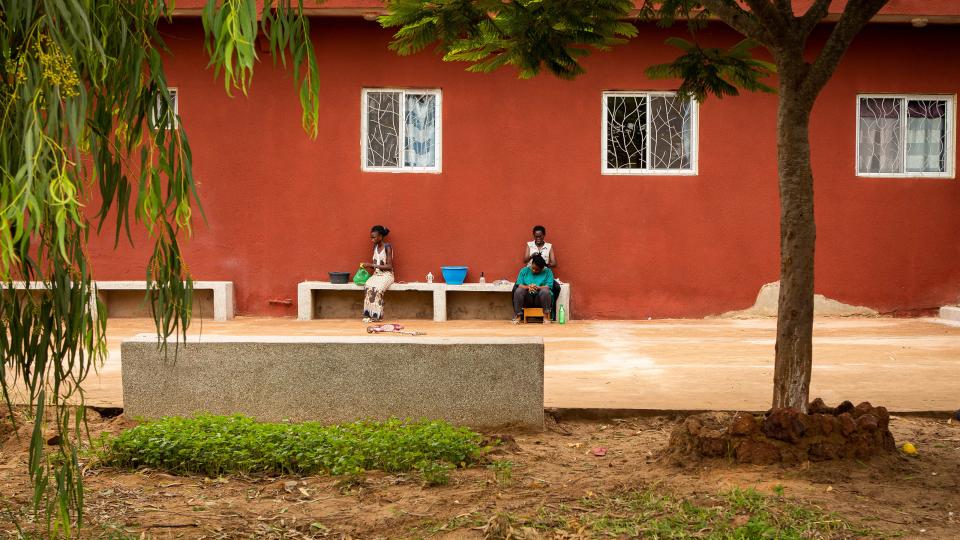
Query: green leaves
[
  {"x": 528, "y": 34},
  {"x": 534, "y": 34},
  {"x": 712, "y": 71},
  {"x": 232, "y": 28},
  {"x": 231, "y": 32},
  {"x": 288, "y": 31},
  {"x": 215, "y": 445}
]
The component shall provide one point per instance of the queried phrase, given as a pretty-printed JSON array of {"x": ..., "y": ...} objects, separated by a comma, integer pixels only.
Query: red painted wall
[{"x": 283, "y": 208}]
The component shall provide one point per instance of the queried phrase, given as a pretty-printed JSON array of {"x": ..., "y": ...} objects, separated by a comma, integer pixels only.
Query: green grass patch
[
  {"x": 740, "y": 514},
  {"x": 215, "y": 445}
]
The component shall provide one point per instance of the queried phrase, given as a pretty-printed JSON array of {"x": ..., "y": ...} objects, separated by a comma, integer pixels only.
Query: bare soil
[{"x": 893, "y": 495}]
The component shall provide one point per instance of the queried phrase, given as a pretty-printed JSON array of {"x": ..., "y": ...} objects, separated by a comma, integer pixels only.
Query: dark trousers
[{"x": 542, "y": 299}]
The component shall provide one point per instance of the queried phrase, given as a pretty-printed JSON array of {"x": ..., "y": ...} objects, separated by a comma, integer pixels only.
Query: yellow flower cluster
[
  {"x": 57, "y": 67},
  {"x": 16, "y": 68}
]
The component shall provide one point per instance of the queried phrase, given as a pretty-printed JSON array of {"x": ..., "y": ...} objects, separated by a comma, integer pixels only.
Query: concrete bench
[
  {"x": 477, "y": 382},
  {"x": 40, "y": 285},
  {"x": 444, "y": 304},
  {"x": 306, "y": 306},
  {"x": 220, "y": 293}
]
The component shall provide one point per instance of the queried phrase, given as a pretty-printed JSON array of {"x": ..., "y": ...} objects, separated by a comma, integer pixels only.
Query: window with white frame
[
  {"x": 905, "y": 136},
  {"x": 166, "y": 116},
  {"x": 401, "y": 130},
  {"x": 649, "y": 133}
]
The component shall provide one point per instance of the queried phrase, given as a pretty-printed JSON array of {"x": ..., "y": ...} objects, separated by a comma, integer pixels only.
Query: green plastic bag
[{"x": 361, "y": 277}]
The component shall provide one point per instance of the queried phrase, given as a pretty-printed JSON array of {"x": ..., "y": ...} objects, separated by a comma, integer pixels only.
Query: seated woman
[
  {"x": 540, "y": 246},
  {"x": 381, "y": 270},
  {"x": 534, "y": 284}
]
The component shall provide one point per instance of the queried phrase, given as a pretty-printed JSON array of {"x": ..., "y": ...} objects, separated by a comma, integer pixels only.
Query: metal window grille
[
  {"x": 905, "y": 136},
  {"x": 649, "y": 133}
]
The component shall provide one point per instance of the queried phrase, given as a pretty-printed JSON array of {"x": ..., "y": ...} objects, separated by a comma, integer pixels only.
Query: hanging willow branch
[{"x": 88, "y": 135}]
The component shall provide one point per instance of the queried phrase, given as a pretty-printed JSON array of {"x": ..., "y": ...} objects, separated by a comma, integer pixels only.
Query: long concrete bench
[
  {"x": 221, "y": 292},
  {"x": 950, "y": 313},
  {"x": 441, "y": 295},
  {"x": 306, "y": 306},
  {"x": 478, "y": 382}
]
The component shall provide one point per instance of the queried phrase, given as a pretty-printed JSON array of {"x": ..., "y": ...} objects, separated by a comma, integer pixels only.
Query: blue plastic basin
[{"x": 454, "y": 275}]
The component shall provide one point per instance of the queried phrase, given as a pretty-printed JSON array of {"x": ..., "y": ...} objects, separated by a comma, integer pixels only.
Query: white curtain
[
  {"x": 420, "y": 149},
  {"x": 879, "y": 145},
  {"x": 924, "y": 146},
  {"x": 926, "y": 136}
]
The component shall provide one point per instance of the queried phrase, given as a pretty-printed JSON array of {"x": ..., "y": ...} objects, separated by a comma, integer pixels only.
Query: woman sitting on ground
[
  {"x": 381, "y": 270},
  {"x": 534, "y": 284}
]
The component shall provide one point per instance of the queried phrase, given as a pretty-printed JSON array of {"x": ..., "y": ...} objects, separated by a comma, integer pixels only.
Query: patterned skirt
[{"x": 374, "y": 290}]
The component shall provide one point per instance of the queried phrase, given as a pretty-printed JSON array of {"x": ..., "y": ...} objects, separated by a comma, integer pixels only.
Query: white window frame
[
  {"x": 401, "y": 133},
  {"x": 951, "y": 152},
  {"x": 175, "y": 97},
  {"x": 694, "y": 136}
]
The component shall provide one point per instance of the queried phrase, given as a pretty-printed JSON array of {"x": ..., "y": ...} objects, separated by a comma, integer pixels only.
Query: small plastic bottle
[
  {"x": 562, "y": 316},
  {"x": 429, "y": 277},
  {"x": 482, "y": 279}
]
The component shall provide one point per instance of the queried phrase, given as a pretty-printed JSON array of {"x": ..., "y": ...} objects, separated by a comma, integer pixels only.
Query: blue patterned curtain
[{"x": 419, "y": 145}]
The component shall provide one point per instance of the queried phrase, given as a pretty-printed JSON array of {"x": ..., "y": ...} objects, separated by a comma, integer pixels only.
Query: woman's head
[
  {"x": 378, "y": 233},
  {"x": 538, "y": 263},
  {"x": 539, "y": 233}
]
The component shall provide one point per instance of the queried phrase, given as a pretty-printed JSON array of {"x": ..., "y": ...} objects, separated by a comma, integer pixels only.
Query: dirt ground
[{"x": 896, "y": 495}]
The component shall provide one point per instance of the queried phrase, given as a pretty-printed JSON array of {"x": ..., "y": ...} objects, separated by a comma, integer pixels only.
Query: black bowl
[{"x": 339, "y": 277}]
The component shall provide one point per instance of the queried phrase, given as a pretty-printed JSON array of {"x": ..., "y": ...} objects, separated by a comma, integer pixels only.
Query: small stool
[{"x": 532, "y": 312}]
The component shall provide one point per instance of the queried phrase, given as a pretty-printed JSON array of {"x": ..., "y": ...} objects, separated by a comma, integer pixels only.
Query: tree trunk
[{"x": 794, "y": 348}]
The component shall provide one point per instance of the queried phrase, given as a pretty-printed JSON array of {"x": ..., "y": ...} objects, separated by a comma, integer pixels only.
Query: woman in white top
[
  {"x": 539, "y": 246},
  {"x": 381, "y": 270}
]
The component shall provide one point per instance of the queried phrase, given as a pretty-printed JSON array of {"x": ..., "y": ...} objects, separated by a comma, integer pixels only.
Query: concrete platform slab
[
  {"x": 903, "y": 364},
  {"x": 482, "y": 382}
]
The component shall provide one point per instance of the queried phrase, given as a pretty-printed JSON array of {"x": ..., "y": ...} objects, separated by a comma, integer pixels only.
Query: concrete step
[{"x": 951, "y": 313}]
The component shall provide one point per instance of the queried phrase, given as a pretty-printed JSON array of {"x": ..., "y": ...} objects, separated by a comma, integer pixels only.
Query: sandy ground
[{"x": 903, "y": 364}]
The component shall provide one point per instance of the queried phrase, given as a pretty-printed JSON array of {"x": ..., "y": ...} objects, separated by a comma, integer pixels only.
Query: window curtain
[
  {"x": 420, "y": 131},
  {"x": 879, "y": 144},
  {"x": 926, "y": 136}
]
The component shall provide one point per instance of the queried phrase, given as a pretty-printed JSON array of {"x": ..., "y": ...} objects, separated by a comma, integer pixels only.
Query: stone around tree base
[{"x": 785, "y": 435}]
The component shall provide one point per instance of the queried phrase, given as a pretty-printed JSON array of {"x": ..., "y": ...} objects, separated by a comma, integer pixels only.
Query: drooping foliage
[
  {"x": 531, "y": 35},
  {"x": 526, "y": 34},
  {"x": 89, "y": 137}
]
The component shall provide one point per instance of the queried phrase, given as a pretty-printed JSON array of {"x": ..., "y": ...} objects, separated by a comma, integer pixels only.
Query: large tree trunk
[{"x": 794, "y": 349}]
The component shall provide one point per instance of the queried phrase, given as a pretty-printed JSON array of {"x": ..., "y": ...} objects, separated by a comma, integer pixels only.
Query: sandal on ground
[
  {"x": 516, "y": 320},
  {"x": 366, "y": 320}
]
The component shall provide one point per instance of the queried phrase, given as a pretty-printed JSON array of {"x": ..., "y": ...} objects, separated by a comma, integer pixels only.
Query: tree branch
[
  {"x": 739, "y": 19},
  {"x": 813, "y": 16},
  {"x": 772, "y": 19},
  {"x": 855, "y": 16},
  {"x": 786, "y": 8}
]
